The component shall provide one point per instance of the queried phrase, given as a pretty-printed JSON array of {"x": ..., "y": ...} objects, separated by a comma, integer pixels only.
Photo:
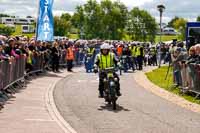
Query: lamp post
[{"x": 161, "y": 9}]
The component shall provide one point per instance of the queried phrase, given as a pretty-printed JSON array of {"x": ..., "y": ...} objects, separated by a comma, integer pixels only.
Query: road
[{"x": 139, "y": 111}]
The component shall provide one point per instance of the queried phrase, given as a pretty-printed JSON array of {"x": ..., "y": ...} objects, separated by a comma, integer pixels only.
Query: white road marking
[
  {"x": 40, "y": 120},
  {"x": 81, "y": 81},
  {"x": 33, "y": 107}
]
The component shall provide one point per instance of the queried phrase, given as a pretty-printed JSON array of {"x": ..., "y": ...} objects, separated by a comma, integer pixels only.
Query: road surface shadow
[{"x": 110, "y": 108}]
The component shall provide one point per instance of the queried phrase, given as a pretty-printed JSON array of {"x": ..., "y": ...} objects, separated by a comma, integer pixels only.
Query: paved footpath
[{"x": 31, "y": 111}]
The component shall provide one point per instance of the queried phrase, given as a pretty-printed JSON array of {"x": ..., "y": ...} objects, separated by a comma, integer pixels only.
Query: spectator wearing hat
[
  {"x": 3, "y": 55},
  {"x": 179, "y": 58},
  {"x": 11, "y": 49}
]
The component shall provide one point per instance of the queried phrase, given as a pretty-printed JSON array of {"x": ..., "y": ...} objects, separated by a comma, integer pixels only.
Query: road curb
[
  {"x": 145, "y": 83},
  {"x": 53, "y": 111}
]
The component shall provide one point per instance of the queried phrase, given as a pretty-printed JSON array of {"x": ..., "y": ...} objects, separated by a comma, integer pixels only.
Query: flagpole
[{"x": 38, "y": 10}]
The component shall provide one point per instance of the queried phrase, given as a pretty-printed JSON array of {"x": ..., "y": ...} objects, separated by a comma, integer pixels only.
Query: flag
[{"x": 45, "y": 23}]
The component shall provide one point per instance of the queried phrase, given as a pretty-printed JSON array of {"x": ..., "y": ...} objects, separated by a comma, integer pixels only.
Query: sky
[{"x": 188, "y": 9}]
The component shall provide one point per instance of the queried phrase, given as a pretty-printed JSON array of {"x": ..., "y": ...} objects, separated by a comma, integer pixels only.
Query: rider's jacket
[
  {"x": 140, "y": 51},
  {"x": 90, "y": 51},
  {"x": 133, "y": 50},
  {"x": 106, "y": 61}
]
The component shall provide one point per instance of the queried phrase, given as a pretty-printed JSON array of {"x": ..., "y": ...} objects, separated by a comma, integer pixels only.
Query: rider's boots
[
  {"x": 101, "y": 95},
  {"x": 118, "y": 93}
]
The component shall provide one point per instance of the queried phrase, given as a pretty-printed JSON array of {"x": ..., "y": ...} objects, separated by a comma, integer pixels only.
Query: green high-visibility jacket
[{"x": 106, "y": 61}]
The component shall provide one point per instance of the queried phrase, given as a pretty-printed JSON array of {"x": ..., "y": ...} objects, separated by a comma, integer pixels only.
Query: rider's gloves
[
  {"x": 95, "y": 70},
  {"x": 119, "y": 64}
]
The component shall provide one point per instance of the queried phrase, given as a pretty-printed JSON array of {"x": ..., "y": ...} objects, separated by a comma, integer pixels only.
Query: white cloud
[{"x": 183, "y": 8}]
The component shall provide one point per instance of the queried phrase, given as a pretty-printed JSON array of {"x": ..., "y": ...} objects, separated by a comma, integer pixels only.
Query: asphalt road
[{"x": 139, "y": 111}]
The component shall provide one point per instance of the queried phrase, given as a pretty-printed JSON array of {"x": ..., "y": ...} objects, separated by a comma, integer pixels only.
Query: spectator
[
  {"x": 55, "y": 57},
  {"x": 70, "y": 56}
]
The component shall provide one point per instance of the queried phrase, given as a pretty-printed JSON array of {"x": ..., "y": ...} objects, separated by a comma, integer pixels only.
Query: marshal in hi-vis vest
[{"x": 105, "y": 61}]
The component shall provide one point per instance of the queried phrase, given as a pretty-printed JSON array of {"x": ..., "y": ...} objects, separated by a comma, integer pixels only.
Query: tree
[
  {"x": 141, "y": 25},
  {"x": 66, "y": 16},
  {"x": 114, "y": 19},
  {"x": 198, "y": 19},
  {"x": 4, "y": 15},
  {"x": 105, "y": 20},
  {"x": 93, "y": 16},
  {"x": 170, "y": 24},
  {"x": 6, "y": 30},
  {"x": 180, "y": 25},
  {"x": 61, "y": 26}
]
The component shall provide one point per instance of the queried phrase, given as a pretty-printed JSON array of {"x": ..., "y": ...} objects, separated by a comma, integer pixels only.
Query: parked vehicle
[{"x": 169, "y": 31}]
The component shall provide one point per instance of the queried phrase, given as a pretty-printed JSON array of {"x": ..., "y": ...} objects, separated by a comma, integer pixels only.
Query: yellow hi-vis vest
[
  {"x": 29, "y": 58},
  {"x": 90, "y": 51},
  {"x": 105, "y": 61},
  {"x": 133, "y": 51},
  {"x": 138, "y": 52}
]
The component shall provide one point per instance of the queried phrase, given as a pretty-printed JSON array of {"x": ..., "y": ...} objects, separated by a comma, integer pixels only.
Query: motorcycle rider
[
  {"x": 90, "y": 50},
  {"x": 105, "y": 59}
]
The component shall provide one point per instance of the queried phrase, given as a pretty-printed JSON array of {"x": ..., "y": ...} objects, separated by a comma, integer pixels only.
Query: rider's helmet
[{"x": 105, "y": 46}]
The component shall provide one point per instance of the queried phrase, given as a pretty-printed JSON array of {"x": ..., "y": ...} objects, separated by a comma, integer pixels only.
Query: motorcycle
[
  {"x": 110, "y": 94},
  {"x": 89, "y": 61},
  {"x": 131, "y": 63},
  {"x": 124, "y": 63}
]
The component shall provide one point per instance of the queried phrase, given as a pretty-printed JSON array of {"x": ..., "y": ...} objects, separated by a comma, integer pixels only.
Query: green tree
[
  {"x": 114, "y": 19},
  {"x": 3, "y": 15},
  {"x": 66, "y": 16},
  {"x": 141, "y": 25},
  {"x": 105, "y": 20},
  {"x": 92, "y": 25},
  {"x": 6, "y": 30},
  {"x": 180, "y": 25},
  {"x": 198, "y": 19},
  {"x": 61, "y": 26},
  {"x": 171, "y": 23}
]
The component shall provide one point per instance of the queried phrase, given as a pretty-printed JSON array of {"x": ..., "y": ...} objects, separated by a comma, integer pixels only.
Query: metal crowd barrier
[
  {"x": 190, "y": 76},
  {"x": 63, "y": 61},
  {"x": 78, "y": 55},
  {"x": 11, "y": 72},
  {"x": 38, "y": 65}
]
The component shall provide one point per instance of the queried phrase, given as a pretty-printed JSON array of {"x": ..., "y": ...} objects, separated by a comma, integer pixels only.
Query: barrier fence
[
  {"x": 190, "y": 78},
  {"x": 11, "y": 71},
  {"x": 15, "y": 70}
]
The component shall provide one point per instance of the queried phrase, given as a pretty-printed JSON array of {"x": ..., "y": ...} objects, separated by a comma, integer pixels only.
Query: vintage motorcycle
[{"x": 110, "y": 80}]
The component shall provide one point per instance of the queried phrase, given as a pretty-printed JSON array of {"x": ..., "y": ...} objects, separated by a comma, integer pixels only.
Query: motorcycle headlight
[
  {"x": 116, "y": 79},
  {"x": 104, "y": 80},
  {"x": 112, "y": 83}
]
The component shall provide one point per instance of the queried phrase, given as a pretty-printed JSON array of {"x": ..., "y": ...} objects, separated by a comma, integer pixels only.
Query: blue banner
[{"x": 45, "y": 23}]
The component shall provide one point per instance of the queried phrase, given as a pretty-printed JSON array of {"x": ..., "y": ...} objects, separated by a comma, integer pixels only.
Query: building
[
  {"x": 28, "y": 29},
  {"x": 11, "y": 20}
]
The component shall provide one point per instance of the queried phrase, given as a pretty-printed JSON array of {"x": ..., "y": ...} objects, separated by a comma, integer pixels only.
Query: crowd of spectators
[{"x": 12, "y": 48}]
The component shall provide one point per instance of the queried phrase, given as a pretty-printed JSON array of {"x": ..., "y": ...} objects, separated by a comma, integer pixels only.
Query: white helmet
[
  {"x": 112, "y": 47},
  {"x": 105, "y": 46}
]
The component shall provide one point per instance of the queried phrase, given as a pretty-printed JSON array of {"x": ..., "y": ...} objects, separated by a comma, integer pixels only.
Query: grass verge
[
  {"x": 158, "y": 78},
  {"x": 18, "y": 31},
  {"x": 165, "y": 38}
]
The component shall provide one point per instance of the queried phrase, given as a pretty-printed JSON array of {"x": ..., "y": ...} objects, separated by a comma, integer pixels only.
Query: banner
[{"x": 45, "y": 26}]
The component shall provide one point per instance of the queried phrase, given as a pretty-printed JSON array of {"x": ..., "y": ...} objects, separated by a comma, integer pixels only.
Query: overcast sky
[{"x": 184, "y": 8}]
